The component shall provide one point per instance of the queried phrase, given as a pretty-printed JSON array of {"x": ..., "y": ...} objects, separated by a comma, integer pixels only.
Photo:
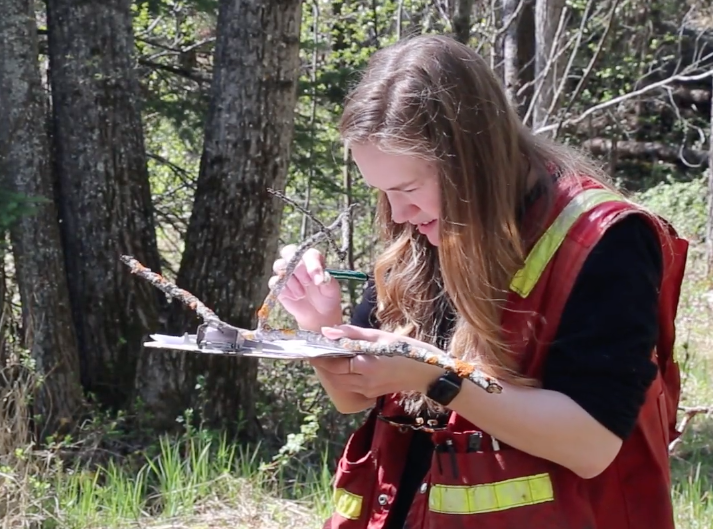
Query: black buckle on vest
[{"x": 405, "y": 422}]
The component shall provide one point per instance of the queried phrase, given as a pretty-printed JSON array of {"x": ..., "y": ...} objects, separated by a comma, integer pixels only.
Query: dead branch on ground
[{"x": 688, "y": 414}]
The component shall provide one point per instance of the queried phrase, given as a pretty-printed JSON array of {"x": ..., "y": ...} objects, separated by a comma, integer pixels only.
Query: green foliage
[
  {"x": 684, "y": 204},
  {"x": 13, "y": 206},
  {"x": 180, "y": 476}
]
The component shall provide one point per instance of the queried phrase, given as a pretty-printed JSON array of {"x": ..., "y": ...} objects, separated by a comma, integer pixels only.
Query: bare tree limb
[
  {"x": 262, "y": 332},
  {"x": 269, "y": 303},
  {"x": 341, "y": 252},
  {"x": 664, "y": 83},
  {"x": 193, "y": 75},
  {"x": 590, "y": 66},
  {"x": 175, "y": 292}
]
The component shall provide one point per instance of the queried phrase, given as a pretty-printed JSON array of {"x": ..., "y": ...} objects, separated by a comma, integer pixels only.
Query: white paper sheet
[{"x": 277, "y": 350}]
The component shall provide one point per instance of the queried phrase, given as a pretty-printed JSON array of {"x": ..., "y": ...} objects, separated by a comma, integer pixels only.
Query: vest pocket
[
  {"x": 506, "y": 488},
  {"x": 354, "y": 480}
]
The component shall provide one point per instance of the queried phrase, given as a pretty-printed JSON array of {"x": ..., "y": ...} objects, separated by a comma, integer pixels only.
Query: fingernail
[{"x": 318, "y": 279}]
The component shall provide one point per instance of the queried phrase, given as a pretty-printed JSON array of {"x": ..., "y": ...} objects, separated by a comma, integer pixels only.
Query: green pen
[{"x": 350, "y": 275}]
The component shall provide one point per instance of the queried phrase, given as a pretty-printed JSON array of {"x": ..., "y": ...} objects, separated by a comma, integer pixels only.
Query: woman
[{"x": 513, "y": 253}]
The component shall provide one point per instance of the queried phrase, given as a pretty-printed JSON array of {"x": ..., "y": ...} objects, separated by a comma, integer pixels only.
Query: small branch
[
  {"x": 269, "y": 303},
  {"x": 263, "y": 333},
  {"x": 462, "y": 369},
  {"x": 620, "y": 99},
  {"x": 193, "y": 75},
  {"x": 420, "y": 354},
  {"x": 174, "y": 291},
  {"x": 341, "y": 253},
  {"x": 588, "y": 70},
  {"x": 688, "y": 415}
]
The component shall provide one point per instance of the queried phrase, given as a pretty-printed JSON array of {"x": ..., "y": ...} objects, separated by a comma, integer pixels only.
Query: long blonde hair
[{"x": 433, "y": 97}]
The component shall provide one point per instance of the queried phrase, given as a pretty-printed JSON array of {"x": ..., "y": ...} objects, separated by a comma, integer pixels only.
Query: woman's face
[{"x": 410, "y": 184}]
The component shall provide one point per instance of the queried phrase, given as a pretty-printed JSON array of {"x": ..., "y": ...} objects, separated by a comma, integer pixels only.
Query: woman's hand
[
  {"x": 544, "y": 423},
  {"x": 374, "y": 376},
  {"x": 312, "y": 301}
]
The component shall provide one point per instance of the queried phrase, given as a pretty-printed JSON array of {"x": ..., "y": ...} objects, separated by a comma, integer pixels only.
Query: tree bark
[
  {"x": 709, "y": 219},
  {"x": 462, "y": 20},
  {"x": 547, "y": 17},
  {"x": 39, "y": 260},
  {"x": 232, "y": 235},
  {"x": 518, "y": 51},
  {"x": 103, "y": 188}
]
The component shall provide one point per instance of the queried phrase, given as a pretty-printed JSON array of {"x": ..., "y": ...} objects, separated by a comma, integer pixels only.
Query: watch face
[{"x": 445, "y": 389}]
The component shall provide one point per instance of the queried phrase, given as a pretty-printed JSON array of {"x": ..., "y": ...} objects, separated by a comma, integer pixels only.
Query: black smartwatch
[{"x": 445, "y": 388}]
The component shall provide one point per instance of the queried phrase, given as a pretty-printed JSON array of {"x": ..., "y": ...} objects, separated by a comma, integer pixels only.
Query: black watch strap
[{"x": 445, "y": 388}]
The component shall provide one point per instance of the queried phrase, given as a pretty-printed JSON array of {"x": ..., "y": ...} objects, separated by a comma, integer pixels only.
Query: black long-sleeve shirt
[{"x": 601, "y": 354}]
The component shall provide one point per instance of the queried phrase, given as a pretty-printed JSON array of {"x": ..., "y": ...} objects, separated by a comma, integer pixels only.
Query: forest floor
[{"x": 197, "y": 482}]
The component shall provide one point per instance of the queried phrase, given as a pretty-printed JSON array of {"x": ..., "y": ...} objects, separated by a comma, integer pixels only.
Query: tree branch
[
  {"x": 664, "y": 83},
  {"x": 264, "y": 333},
  {"x": 264, "y": 312},
  {"x": 688, "y": 415},
  {"x": 188, "y": 74}
]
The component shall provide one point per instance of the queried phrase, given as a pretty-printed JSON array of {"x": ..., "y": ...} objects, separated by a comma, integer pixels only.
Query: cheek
[{"x": 430, "y": 203}]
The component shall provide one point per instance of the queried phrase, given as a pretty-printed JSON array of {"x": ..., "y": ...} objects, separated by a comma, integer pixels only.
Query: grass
[
  {"x": 200, "y": 481},
  {"x": 195, "y": 481},
  {"x": 692, "y": 460}
]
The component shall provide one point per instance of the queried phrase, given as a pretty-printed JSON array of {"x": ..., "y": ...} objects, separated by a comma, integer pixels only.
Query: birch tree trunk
[
  {"x": 511, "y": 64},
  {"x": 104, "y": 195},
  {"x": 518, "y": 51},
  {"x": 231, "y": 240},
  {"x": 37, "y": 248},
  {"x": 547, "y": 18}
]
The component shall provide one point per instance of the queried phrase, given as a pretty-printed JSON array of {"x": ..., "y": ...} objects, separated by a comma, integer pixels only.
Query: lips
[{"x": 426, "y": 226}]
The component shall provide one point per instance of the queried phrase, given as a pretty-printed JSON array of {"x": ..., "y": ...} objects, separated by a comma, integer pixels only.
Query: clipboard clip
[{"x": 227, "y": 339}]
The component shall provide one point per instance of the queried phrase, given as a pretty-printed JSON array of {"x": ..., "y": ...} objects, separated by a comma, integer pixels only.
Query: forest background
[{"x": 154, "y": 128}]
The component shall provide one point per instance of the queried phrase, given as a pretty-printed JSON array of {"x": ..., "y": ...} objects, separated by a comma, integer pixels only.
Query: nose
[{"x": 402, "y": 210}]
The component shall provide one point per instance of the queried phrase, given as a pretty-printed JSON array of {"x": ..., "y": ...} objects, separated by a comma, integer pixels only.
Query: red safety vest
[{"x": 497, "y": 486}]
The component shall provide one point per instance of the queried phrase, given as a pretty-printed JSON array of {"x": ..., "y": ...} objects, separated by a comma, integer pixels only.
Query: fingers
[
  {"x": 292, "y": 290},
  {"x": 314, "y": 265},
  {"x": 288, "y": 251},
  {"x": 334, "y": 366},
  {"x": 355, "y": 333}
]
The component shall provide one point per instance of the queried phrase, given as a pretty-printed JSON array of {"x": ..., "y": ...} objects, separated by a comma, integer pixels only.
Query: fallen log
[{"x": 647, "y": 150}]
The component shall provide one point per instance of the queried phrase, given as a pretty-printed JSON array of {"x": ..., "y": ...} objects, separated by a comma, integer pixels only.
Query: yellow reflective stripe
[
  {"x": 526, "y": 278},
  {"x": 490, "y": 497},
  {"x": 346, "y": 504}
]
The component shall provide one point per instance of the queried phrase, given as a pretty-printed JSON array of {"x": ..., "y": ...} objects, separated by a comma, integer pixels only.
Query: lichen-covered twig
[
  {"x": 166, "y": 286},
  {"x": 461, "y": 368},
  {"x": 340, "y": 251},
  {"x": 263, "y": 333},
  {"x": 269, "y": 303}
]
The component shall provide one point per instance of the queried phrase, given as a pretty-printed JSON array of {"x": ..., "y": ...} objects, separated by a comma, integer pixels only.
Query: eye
[{"x": 410, "y": 190}]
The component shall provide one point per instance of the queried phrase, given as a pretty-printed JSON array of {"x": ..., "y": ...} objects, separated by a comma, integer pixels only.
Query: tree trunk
[
  {"x": 709, "y": 220},
  {"x": 103, "y": 188},
  {"x": 37, "y": 249},
  {"x": 231, "y": 240},
  {"x": 462, "y": 20},
  {"x": 547, "y": 19},
  {"x": 518, "y": 51}
]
